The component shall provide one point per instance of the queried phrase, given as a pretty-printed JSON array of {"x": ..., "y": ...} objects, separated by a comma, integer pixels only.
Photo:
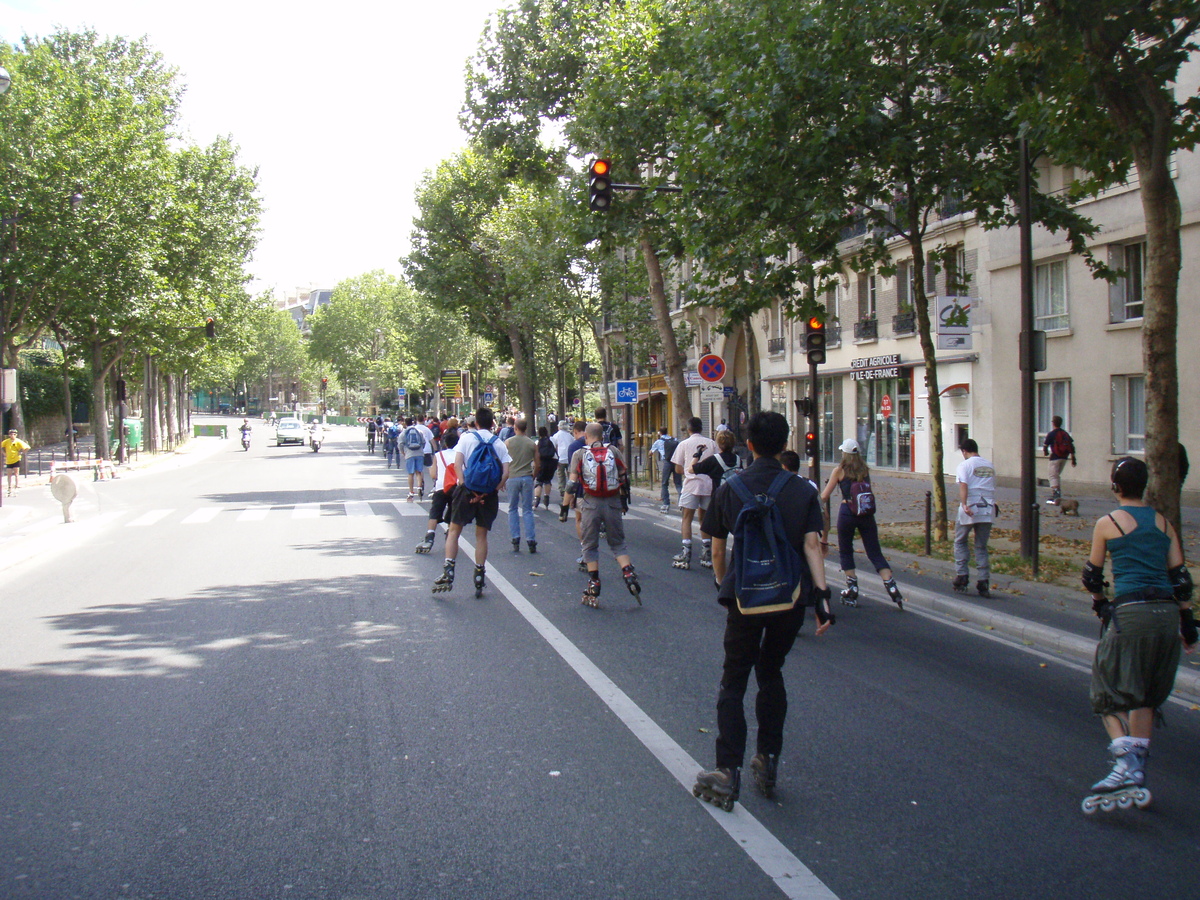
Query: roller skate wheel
[
  {"x": 1107, "y": 804},
  {"x": 727, "y": 805},
  {"x": 1090, "y": 805},
  {"x": 697, "y": 793},
  {"x": 1141, "y": 798},
  {"x": 1125, "y": 801}
]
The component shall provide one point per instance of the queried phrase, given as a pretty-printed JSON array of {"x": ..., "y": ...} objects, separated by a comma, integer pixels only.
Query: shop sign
[
  {"x": 870, "y": 368},
  {"x": 954, "y": 322}
]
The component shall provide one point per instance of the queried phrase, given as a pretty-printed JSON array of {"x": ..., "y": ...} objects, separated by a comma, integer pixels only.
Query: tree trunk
[
  {"x": 1160, "y": 323},
  {"x": 928, "y": 351},
  {"x": 521, "y": 369},
  {"x": 99, "y": 400},
  {"x": 67, "y": 404},
  {"x": 671, "y": 358}
]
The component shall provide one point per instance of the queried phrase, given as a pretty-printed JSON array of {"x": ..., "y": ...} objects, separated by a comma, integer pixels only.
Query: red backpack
[
  {"x": 600, "y": 472},
  {"x": 1063, "y": 446}
]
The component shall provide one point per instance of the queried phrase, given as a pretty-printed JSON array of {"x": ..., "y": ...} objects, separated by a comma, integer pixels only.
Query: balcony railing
[
  {"x": 776, "y": 346},
  {"x": 905, "y": 322},
  {"x": 866, "y": 330}
]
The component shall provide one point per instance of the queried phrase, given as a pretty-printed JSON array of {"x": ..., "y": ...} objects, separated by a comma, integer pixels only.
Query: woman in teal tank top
[{"x": 1133, "y": 671}]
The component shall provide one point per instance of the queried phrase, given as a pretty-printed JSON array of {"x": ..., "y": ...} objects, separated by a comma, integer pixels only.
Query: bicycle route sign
[
  {"x": 711, "y": 368},
  {"x": 627, "y": 392}
]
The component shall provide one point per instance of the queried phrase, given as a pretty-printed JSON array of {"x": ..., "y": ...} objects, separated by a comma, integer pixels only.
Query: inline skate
[
  {"x": 591, "y": 594},
  {"x": 706, "y": 556},
  {"x": 960, "y": 583},
  {"x": 983, "y": 588},
  {"x": 479, "y": 571},
  {"x": 893, "y": 590},
  {"x": 720, "y": 787},
  {"x": 850, "y": 592},
  {"x": 631, "y": 582},
  {"x": 765, "y": 767},
  {"x": 445, "y": 581},
  {"x": 427, "y": 544},
  {"x": 683, "y": 559},
  {"x": 1125, "y": 785}
]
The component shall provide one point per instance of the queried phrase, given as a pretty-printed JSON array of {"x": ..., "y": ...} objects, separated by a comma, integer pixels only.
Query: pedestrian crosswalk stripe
[
  {"x": 202, "y": 515},
  {"x": 358, "y": 508},
  {"x": 409, "y": 509},
  {"x": 306, "y": 511},
  {"x": 254, "y": 514},
  {"x": 149, "y": 518}
]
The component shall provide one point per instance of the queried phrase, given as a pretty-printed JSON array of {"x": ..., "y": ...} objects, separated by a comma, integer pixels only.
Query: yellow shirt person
[{"x": 13, "y": 447}]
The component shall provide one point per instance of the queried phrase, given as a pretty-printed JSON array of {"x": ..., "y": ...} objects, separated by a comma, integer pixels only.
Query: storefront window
[{"x": 883, "y": 427}]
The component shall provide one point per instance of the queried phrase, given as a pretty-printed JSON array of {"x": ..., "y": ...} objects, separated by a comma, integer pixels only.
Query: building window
[
  {"x": 779, "y": 402},
  {"x": 957, "y": 277},
  {"x": 1130, "y": 300},
  {"x": 1050, "y": 296},
  {"x": 1129, "y": 413},
  {"x": 1053, "y": 399}
]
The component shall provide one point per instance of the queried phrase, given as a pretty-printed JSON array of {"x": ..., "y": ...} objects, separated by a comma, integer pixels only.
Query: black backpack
[
  {"x": 768, "y": 572},
  {"x": 669, "y": 446}
]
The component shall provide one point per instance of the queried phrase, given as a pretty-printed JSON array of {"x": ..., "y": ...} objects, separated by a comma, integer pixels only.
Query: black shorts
[
  {"x": 547, "y": 470},
  {"x": 12, "y": 465},
  {"x": 439, "y": 505},
  {"x": 469, "y": 507}
]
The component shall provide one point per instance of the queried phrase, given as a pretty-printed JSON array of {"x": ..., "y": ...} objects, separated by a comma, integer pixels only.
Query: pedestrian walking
[
  {"x": 1059, "y": 447},
  {"x": 976, "y": 478},
  {"x": 696, "y": 493},
  {"x": 416, "y": 441},
  {"x": 612, "y": 431},
  {"x": 760, "y": 642},
  {"x": 856, "y": 513},
  {"x": 522, "y": 470},
  {"x": 1133, "y": 671},
  {"x": 391, "y": 442},
  {"x": 13, "y": 448},
  {"x": 547, "y": 465},
  {"x": 481, "y": 461},
  {"x": 371, "y": 435},
  {"x": 508, "y": 429},
  {"x": 562, "y": 438},
  {"x": 665, "y": 448},
  {"x": 599, "y": 471}
]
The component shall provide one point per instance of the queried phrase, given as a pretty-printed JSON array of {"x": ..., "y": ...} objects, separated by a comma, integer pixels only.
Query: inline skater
[
  {"x": 697, "y": 491},
  {"x": 760, "y": 642},
  {"x": 371, "y": 428},
  {"x": 445, "y": 479},
  {"x": 521, "y": 474},
  {"x": 562, "y": 439},
  {"x": 599, "y": 471},
  {"x": 475, "y": 501},
  {"x": 1133, "y": 671},
  {"x": 547, "y": 465},
  {"x": 857, "y": 513}
]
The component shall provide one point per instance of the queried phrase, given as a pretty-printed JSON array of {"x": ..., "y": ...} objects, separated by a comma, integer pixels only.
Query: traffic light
[
  {"x": 210, "y": 328},
  {"x": 812, "y": 447},
  {"x": 600, "y": 185},
  {"x": 295, "y": 387},
  {"x": 805, "y": 406},
  {"x": 814, "y": 340},
  {"x": 324, "y": 383}
]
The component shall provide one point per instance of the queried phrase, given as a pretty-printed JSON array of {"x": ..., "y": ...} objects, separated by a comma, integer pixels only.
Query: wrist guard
[
  {"x": 1093, "y": 578},
  {"x": 1181, "y": 583},
  {"x": 1103, "y": 609},
  {"x": 824, "y": 611},
  {"x": 1187, "y": 627}
]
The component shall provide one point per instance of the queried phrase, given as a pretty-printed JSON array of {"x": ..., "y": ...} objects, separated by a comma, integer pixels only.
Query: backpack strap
[
  {"x": 777, "y": 485},
  {"x": 1118, "y": 524}
]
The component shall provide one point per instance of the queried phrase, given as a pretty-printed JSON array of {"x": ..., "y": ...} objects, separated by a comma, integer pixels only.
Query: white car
[{"x": 290, "y": 431}]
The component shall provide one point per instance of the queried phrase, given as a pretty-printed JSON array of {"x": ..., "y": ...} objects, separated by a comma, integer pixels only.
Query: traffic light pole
[{"x": 814, "y": 466}]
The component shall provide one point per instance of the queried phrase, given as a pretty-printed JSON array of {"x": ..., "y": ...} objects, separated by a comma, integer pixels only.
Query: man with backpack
[
  {"x": 481, "y": 461},
  {"x": 777, "y": 570},
  {"x": 611, "y": 432},
  {"x": 600, "y": 472},
  {"x": 416, "y": 441},
  {"x": 1059, "y": 447},
  {"x": 665, "y": 448}
]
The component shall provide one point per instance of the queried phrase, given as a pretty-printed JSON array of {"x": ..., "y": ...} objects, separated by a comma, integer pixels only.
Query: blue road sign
[
  {"x": 627, "y": 392},
  {"x": 488, "y": 397},
  {"x": 401, "y": 392}
]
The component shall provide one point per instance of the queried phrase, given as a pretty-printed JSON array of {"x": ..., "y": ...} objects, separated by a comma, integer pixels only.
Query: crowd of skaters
[{"x": 1133, "y": 671}]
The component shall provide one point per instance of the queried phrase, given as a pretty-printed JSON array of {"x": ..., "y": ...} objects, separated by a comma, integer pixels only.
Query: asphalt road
[{"x": 237, "y": 684}]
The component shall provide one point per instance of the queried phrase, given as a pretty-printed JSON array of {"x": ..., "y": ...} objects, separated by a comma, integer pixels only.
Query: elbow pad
[
  {"x": 1093, "y": 578},
  {"x": 1181, "y": 584},
  {"x": 1187, "y": 627}
]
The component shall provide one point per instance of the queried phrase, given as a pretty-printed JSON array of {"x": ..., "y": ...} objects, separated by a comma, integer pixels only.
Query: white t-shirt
[
  {"x": 979, "y": 475},
  {"x": 427, "y": 434},
  {"x": 467, "y": 443},
  {"x": 447, "y": 475},
  {"x": 562, "y": 440},
  {"x": 696, "y": 485}
]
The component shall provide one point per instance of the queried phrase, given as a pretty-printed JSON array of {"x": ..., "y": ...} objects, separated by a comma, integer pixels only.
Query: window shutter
[
  {"x": 930, "y": 278},
  {"x": 863, "y": 304},
  {"x": 1116, "y": 290}
]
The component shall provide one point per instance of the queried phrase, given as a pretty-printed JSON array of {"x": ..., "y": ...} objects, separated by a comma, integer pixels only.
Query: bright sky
[{"x": 341, "y": 105}]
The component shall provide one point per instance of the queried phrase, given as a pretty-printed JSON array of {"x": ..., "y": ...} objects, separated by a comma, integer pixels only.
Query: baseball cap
[{"x": 849, "y": 445}]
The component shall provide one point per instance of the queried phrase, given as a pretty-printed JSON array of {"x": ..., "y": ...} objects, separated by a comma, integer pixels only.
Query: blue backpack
[
  {"x": 413, "y": 439},
  {"x": 483, "y": 470},
  {"x": 768, "y": 572}
]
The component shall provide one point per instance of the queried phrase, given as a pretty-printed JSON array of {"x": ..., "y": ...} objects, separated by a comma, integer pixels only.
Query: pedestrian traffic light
[
  {"x": 814, "y": 340},
  {"x": 600, "y": 185},
  {"x": 812, "y": 447},
  {"x": 210, "y": 328}
]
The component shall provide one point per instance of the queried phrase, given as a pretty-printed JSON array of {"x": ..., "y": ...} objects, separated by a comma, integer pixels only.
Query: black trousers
[{"x": 759, "y": 643}]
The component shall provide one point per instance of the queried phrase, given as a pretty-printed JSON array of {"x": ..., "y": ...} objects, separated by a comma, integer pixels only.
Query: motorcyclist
[{"x": 315, "y": 434}]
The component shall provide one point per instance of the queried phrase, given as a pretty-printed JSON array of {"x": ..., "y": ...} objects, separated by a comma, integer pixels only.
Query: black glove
[
  {"x": 821, "y": 606},
  {"x": 699, "y": 453},
  {"x": 1187, "y": 627}
]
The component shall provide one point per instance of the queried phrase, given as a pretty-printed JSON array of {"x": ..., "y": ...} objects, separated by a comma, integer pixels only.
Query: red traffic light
[
  {"x": 600, "y": 184},
  {"x": 600, "y": 167},
  {"x": 814, "y": 340}
]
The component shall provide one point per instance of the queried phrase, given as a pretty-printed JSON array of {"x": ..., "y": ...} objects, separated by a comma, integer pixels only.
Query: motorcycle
[
  {"x": 245, "y": 440},
  {"x": 314, "y": 440}
]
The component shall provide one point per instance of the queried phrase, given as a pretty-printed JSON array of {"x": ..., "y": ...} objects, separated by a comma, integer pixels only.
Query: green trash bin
[{"x": 133, "y": 434}]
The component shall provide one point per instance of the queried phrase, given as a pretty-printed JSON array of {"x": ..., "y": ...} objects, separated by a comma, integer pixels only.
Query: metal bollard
[{"x": 929, "y": 523}]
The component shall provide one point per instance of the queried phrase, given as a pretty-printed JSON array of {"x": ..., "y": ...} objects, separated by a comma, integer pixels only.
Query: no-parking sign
[{"x": 711, "y": 368}]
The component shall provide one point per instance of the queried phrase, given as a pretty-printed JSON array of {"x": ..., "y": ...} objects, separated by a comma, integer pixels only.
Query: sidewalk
[{"x": 1055, "y": 619}]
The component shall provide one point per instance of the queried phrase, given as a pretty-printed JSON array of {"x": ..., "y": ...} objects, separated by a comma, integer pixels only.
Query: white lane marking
[
  {"x": 254, "y": 514},
  {"x": 202, "y": 515},
  {"x": 358, "y": 508},
  {"x": 306, "y": 511},
  {"x": 404, "y": 508},
  {"x": 792, "y": 877},
  {"x": 155, "y": 515}
]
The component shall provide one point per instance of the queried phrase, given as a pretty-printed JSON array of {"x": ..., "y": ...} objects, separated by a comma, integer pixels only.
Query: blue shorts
[{"x": 414, "y": 465}]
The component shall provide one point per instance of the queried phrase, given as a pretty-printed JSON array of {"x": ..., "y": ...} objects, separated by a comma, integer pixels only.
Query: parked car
[{"x": 290, "y": 431}]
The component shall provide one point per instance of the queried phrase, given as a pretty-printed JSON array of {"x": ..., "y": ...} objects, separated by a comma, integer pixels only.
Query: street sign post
[
  {"x": 711, "y": 393},
  {"x": 488, "y": 396},
  {"x": 627, "y": 392}
]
